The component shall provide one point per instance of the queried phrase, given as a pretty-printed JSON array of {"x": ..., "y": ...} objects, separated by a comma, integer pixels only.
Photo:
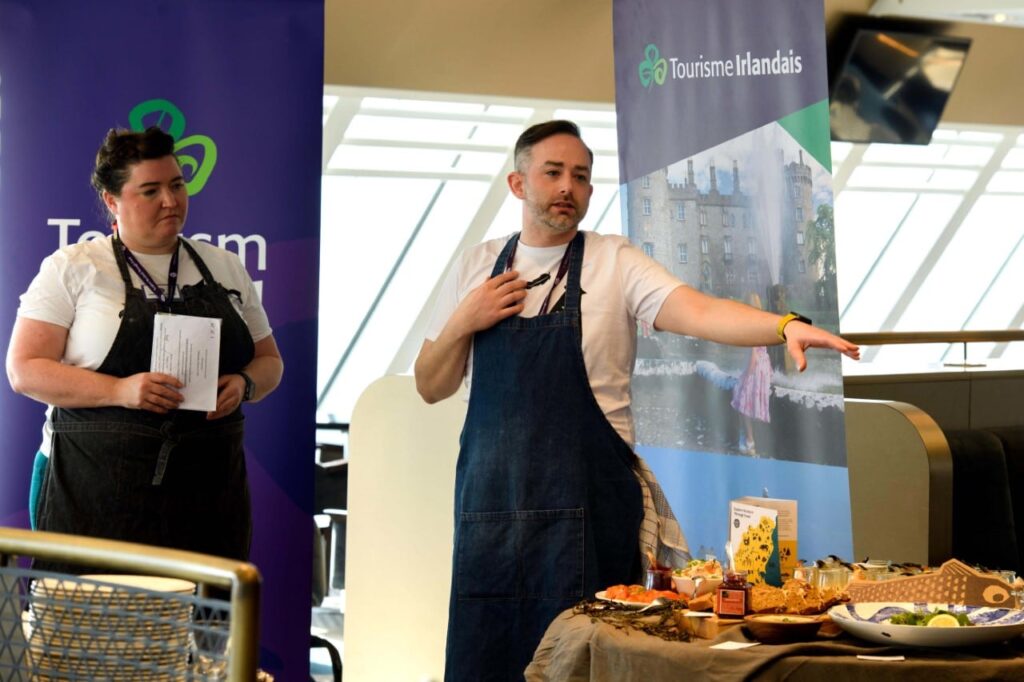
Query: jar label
[{"x": 732, "y": 602}]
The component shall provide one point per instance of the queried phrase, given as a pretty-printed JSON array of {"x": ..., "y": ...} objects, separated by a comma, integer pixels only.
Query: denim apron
[
  {"x": 173, "y": 480},
  {"x": 547, "y": 507}
]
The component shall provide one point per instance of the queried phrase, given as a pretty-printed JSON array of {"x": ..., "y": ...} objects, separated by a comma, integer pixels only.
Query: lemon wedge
[{"x": 944, "y": 620}]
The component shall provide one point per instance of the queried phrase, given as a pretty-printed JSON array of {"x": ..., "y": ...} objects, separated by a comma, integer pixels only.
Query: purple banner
[{"x": 239, "y": 86}]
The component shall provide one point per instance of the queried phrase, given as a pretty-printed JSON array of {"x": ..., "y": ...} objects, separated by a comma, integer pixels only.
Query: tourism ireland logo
[
  {"x": 197, "y": 154},
  {"x": 653, "y": 68}
]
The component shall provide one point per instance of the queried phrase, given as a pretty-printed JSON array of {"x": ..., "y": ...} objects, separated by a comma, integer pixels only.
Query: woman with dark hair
[{"x": 124, "y": 462}]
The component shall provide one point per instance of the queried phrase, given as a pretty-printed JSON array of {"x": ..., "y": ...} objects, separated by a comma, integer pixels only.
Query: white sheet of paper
[
  {"x": 188, "y": 348},
  {"x": 732, "y": 646}
]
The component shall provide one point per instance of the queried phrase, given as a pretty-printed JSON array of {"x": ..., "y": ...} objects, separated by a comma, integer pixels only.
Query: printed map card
[
  {"x": 787, "y": 528},
  {"x": 754, "y": 538}
]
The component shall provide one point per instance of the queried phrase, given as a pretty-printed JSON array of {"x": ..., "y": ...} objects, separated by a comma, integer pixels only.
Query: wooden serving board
[
  {"x": 704, "y": 626},
  {"x": 953, "y": 583}
]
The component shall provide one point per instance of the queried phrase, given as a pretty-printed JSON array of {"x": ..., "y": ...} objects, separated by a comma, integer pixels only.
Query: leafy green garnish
[{"x": 923, "y": 618}]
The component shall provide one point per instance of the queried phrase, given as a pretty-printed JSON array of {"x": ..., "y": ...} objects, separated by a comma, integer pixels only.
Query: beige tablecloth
[{"x": 574, "y": 649}]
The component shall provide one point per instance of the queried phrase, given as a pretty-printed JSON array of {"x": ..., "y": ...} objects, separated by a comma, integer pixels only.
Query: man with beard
[{"x": 551, "y": 503}]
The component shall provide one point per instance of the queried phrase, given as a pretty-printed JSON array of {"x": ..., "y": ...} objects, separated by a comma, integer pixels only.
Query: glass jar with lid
[{"x": 732, "y": 597}]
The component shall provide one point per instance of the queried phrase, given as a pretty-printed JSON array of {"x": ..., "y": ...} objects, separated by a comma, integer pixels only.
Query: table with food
[{"x": 826, "y": 620}]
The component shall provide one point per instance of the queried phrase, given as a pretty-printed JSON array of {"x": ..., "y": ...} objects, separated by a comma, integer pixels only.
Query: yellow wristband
[{"x": 786, "y": 319}]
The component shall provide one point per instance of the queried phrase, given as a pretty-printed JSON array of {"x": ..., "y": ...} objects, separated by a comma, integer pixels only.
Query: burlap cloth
[{"x": 576, "y": 649}]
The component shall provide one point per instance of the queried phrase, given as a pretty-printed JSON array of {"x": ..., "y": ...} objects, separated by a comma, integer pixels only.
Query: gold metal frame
[
  {"x": 241, "y": 578},
  {"x": 883, "y": 338}
]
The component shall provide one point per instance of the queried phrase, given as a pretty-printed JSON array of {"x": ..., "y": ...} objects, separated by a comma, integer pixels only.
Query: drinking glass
[
  {"x": 876, "y": 569},
  {"x": 808, "y": 574},
  {"x": 833, "y": 579}
]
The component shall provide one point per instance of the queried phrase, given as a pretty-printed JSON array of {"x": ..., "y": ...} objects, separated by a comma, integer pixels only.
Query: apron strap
[
  {"x": 573, "y": 290},
  {"x": 572, "y": 281},
  {"x": 200, "y": 265},
  {"x": 502, "y": 261},
  {"x": 122, "y": 264},
  {"x": 170, "y": 440}
]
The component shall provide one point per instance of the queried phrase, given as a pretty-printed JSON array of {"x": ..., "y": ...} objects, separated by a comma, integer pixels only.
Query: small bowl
[
  {"x": 689, "y": 588},
  {"x": 778, "y": 628}
]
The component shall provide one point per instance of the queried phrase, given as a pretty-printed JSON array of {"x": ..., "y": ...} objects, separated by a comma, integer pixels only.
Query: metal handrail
[
  {"x": 240, "y": 577},
  {"x": 883, "y": 338}
]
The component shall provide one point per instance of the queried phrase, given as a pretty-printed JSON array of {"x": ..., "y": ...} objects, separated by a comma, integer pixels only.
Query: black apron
[
  {"x": 547, "y": 507},
  {"x": 174, "y": 480}
]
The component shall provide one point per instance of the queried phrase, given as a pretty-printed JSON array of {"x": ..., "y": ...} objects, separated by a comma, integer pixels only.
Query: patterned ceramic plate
[{"x": 870, "y": 621}]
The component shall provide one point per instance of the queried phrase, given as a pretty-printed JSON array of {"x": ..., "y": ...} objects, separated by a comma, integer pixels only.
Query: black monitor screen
[{"x": 893, "y": 86}]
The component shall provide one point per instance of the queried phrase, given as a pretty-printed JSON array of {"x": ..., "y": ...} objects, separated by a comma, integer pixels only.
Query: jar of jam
[
  {"x": 658, "y": 579},
  {"x": 732, "y": 597}
]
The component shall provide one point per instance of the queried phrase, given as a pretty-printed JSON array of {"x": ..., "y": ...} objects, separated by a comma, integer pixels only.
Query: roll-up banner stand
[
  {"x": 726, "y": 180},
  {"x": 239, "y": 86}
]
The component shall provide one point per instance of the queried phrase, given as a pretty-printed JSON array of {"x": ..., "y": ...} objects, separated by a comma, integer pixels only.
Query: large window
[{"x": 927, "y": 237}]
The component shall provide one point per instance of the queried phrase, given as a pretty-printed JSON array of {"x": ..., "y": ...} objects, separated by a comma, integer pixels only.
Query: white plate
[
  {"x": 869, "y": 620},
  {"x": 155, "y": 583},
  {"x": 76, "y": 590},
  {"x": 602, "y": 595}
]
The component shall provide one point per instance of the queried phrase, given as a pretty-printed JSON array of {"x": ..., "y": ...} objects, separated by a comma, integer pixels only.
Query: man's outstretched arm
[{"x": 692, "y": 313}]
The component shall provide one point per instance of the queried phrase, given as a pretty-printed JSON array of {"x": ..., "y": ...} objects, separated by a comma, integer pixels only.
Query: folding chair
[{"x": 143, "y": 613}]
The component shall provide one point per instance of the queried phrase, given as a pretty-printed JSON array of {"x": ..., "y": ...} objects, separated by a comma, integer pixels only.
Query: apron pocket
[
  {"x": 536, "y": 554},
  {"x": 552, "y": 553}
]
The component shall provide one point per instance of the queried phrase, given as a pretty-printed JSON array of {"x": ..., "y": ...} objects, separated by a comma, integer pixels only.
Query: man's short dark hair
[{"x": 542, "y": 131}]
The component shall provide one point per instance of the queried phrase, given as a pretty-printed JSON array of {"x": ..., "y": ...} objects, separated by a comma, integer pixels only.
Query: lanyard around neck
[
  {"x": 563, "y": 267},
  {"x": 147, "y": 280}
]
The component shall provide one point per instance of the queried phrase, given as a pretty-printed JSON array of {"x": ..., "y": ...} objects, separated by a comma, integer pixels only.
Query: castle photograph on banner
[{"x": 749, "y": 219}]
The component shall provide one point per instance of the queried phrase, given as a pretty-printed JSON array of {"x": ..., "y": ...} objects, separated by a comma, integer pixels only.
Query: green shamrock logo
[
  {"x": 653, "y": 68},
  {"x": 197, "y": 170}
]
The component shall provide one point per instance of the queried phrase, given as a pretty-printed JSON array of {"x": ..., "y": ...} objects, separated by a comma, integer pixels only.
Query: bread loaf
[{"x": 767, "y": 599}]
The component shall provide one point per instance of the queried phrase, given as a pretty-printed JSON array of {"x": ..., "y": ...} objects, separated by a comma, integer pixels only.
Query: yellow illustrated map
[{"x": 755, "y": 549}]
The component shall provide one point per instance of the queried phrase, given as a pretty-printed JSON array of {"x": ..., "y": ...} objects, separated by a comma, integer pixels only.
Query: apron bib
[
  {"x": 173, "y": 480},
  {"x": 547, "y": 507}
]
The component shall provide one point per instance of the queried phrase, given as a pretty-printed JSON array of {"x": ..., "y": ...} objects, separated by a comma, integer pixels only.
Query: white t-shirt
[
  {"x": 621, "y": 285},
  {"x": 79, "y": 288}
]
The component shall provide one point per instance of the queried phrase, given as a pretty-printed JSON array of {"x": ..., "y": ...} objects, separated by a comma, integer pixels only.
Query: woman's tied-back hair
[
  {"x": 121, "y": 149},
  {"x": 542, "y": 131}
]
